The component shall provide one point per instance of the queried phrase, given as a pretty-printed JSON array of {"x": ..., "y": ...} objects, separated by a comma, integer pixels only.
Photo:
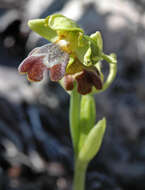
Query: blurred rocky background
[{"x": 35, "y": 146}]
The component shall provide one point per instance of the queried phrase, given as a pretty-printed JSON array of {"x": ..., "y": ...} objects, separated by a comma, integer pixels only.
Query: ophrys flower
[{"x": 72, "y": 56}]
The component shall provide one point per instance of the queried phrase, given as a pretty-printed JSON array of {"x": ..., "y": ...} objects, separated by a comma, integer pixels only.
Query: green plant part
[
  {"x": 93, "y": 141},
  {"x": 88, "y": 136},
  {"x": 73, "y": 59},
  {"x": 87, "y": 117}
]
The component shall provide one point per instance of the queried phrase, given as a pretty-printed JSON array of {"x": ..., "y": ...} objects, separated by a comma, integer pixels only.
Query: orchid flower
[{"x": 72, "y": 56}]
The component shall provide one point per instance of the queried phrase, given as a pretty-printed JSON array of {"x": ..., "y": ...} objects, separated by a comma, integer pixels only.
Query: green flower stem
[
  {"x": 74, "y": 118},
  {"x": 79, "y": 175}
]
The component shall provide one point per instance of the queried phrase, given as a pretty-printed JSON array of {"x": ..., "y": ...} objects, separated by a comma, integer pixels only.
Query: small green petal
[
  {"x": 97, "y": 38},
  {"x": 87, "y": 57}
]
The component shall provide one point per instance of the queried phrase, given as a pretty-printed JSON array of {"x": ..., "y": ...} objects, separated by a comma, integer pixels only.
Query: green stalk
[
  {"x": 79, "y": 175},
  {"x": 74, "y": 118}
]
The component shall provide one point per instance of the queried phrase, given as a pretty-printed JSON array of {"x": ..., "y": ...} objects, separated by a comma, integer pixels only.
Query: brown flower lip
[
  {"x": 33, "y": 67},
  {"x": 48, "y": 57},
  {"x": 86, "y": 79}
]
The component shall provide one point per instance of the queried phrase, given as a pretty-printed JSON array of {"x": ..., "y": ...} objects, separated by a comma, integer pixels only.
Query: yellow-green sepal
[
  {"x": 59, "y": 22},
  {"x": 41, "y": 27}
]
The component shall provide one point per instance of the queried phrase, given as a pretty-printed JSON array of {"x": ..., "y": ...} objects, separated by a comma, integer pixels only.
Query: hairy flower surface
[
  {"x": 48, "y": 57},
  {"x": 72, "y": 56}
]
